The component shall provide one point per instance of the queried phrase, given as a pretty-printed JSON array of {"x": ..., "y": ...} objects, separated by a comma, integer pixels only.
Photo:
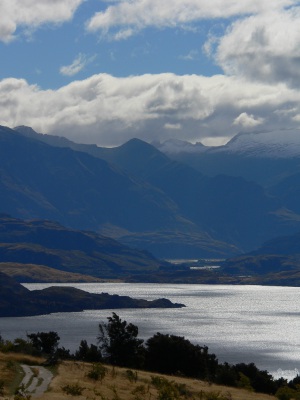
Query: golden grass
[{"x": 115, "y": 385}]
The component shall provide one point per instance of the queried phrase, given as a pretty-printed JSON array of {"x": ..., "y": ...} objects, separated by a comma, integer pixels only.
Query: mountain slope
[
  {"x": 37, "y": 180},
  {"x": 50, "y": 244},
  {"x": 225, "y": 207},
  {"x": 229, "y": 209},
  {"x": 144, "y": 204}
]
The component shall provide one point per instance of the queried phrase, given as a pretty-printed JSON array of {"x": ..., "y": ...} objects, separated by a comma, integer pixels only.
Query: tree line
[{"x": 118, "y": 344}]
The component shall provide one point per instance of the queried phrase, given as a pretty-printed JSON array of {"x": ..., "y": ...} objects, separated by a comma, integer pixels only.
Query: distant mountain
[
  {"x": 114, "y": 191},
  {"x": 273, "y": 144},
  {"x": 236, "y": 207},
  {"x": 228, "y": 209},
  {"x": 16, "y": 300},
  {"x": 276, "y": 256},
  {"x": 46, "y": 243},
  {"x": 174, "y": 146},
  {"x": 282, "y": 245},
  {"x": 264, "y": 157}
]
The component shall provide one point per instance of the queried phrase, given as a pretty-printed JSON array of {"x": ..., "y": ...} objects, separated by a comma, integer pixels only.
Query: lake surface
[{"x": 259, "y": 324}]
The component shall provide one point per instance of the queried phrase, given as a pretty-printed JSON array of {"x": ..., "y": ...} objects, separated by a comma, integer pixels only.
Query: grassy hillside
[
  {"x": 40, "y": 273},
  {"x": 118, "y": 383}
]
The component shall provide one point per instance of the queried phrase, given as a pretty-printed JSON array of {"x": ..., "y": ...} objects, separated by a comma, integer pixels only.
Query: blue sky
[{"x": 105, "y": 71}]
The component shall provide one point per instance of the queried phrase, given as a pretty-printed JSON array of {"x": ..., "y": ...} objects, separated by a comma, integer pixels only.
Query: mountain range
[{"x": 206, "y": 203}]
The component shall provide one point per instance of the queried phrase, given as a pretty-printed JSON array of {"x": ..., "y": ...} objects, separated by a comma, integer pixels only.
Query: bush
[
  {"x": 131, "y": 375},
  {"x": 74, "y": 390},
  {"x": 97, "y": 372}
]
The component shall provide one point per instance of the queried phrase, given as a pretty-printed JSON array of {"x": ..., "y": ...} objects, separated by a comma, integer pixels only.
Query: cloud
[
  {"x": 135, "y": 15},
  {"x": 31, "y": 14},
  {"x": 263, "y": 47},
  {"x": 247, "y": 121},
  {"x": 172, "y": 126},
  {"x": 190, "y": 56},
  {"x": 77, "y": 65},
  {"x": 108, "y": 110}
]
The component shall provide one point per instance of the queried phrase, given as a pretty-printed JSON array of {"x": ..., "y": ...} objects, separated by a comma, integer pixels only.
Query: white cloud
[
  {"x": 31, "y": 14},
  {"x": 247, "y": 121},
  {"x": 172, "y": 126},
  {"x": 263, "y": 47},
  {"x": 139, "y": 14},
  {"x": 190, "y": 56},
  {"x": 77, "y": 65},
  {"x": 108, "y": 111}
]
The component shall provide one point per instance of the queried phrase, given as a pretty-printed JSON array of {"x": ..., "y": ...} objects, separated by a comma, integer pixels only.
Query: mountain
[
  {"x": 108, "y": 192},
  {"x": 263, "y": 157},
  {"x": 283, "y": 143},
  {"x": 16, "y": 300},
  {"x": 228, "y": 209},
  {"x": 277, "y": 259},
  {"x": 76, "y": 189},
  {"x": 45, "y": 243},
  {"x": 231, "y": 210}
]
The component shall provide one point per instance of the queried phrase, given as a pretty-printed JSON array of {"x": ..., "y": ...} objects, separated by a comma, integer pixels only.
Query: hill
[
  {"x": 16, "y": 300},
  {"x": 117, "y": 381},
  {"x": 49, "y": 244},
  {"x": 277, "y": 261}
]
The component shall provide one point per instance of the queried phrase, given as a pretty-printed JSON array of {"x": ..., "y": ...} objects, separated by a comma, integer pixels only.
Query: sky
[{"x": 106, "y": 71}]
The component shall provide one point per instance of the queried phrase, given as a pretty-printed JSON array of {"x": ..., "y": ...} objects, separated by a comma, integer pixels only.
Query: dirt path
[{"x": 36, "y": 379}]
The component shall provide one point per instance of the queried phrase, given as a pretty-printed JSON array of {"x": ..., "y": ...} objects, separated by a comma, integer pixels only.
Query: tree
[
  {"x": 45, "y": 342},
  {"x": 88, "y": 353},
  {"x": 172, "y": 354},
  {"x": 119, "y": 343}
]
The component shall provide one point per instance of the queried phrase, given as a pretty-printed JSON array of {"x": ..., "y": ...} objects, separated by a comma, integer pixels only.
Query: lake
[{"x": 257, "y": 324}]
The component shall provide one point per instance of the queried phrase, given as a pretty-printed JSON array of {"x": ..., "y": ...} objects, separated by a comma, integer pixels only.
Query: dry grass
[
  {"x": 115, "y": 385},
  {"x": 10, "y": 371}
]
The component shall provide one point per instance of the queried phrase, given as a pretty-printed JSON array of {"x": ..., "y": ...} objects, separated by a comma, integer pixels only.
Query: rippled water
[{"x": 257, "y": 324}]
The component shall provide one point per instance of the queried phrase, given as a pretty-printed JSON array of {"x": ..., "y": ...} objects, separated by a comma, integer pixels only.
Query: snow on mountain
[
  {"x": 270, "y": 144},
  {"x": 274, "y": 144},
  {"x": 174, "y": 146}
]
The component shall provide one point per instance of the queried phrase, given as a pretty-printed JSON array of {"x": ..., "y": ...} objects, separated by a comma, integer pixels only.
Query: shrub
[
  {"x": 74, "y": 390},
  {"x": 97, "y": 372},
  {"x": 131, "y": 375}
]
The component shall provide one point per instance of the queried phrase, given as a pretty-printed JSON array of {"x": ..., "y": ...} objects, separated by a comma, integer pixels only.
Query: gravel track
[{"x": 36, "y": 385}]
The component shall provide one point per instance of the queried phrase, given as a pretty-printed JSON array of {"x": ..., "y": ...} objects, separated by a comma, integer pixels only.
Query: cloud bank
[
  {"x": 108, "y": 111},
  {"x": 259, "y": 53}
]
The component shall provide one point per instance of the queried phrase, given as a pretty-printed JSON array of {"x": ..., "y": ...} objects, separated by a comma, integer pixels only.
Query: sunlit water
[{"x": 257, "y": 324}]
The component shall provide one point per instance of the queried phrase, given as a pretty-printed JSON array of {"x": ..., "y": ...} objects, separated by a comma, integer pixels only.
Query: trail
[{"x": 36, "y": 379}]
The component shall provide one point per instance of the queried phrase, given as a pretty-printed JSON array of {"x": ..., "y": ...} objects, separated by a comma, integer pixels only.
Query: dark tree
[
  {"x": 172, "y": 354},
  {"x": 44, "y": 342},
  {"x": 119, "y": 343},
  {"x": 261, "y": 381},
  {"x": 88, "y": 353}
]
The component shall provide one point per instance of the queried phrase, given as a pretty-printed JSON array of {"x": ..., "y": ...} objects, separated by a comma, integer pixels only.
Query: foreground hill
[
  {"x": 117, "y": 382},
  {"x": 16, "y": 300}
]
